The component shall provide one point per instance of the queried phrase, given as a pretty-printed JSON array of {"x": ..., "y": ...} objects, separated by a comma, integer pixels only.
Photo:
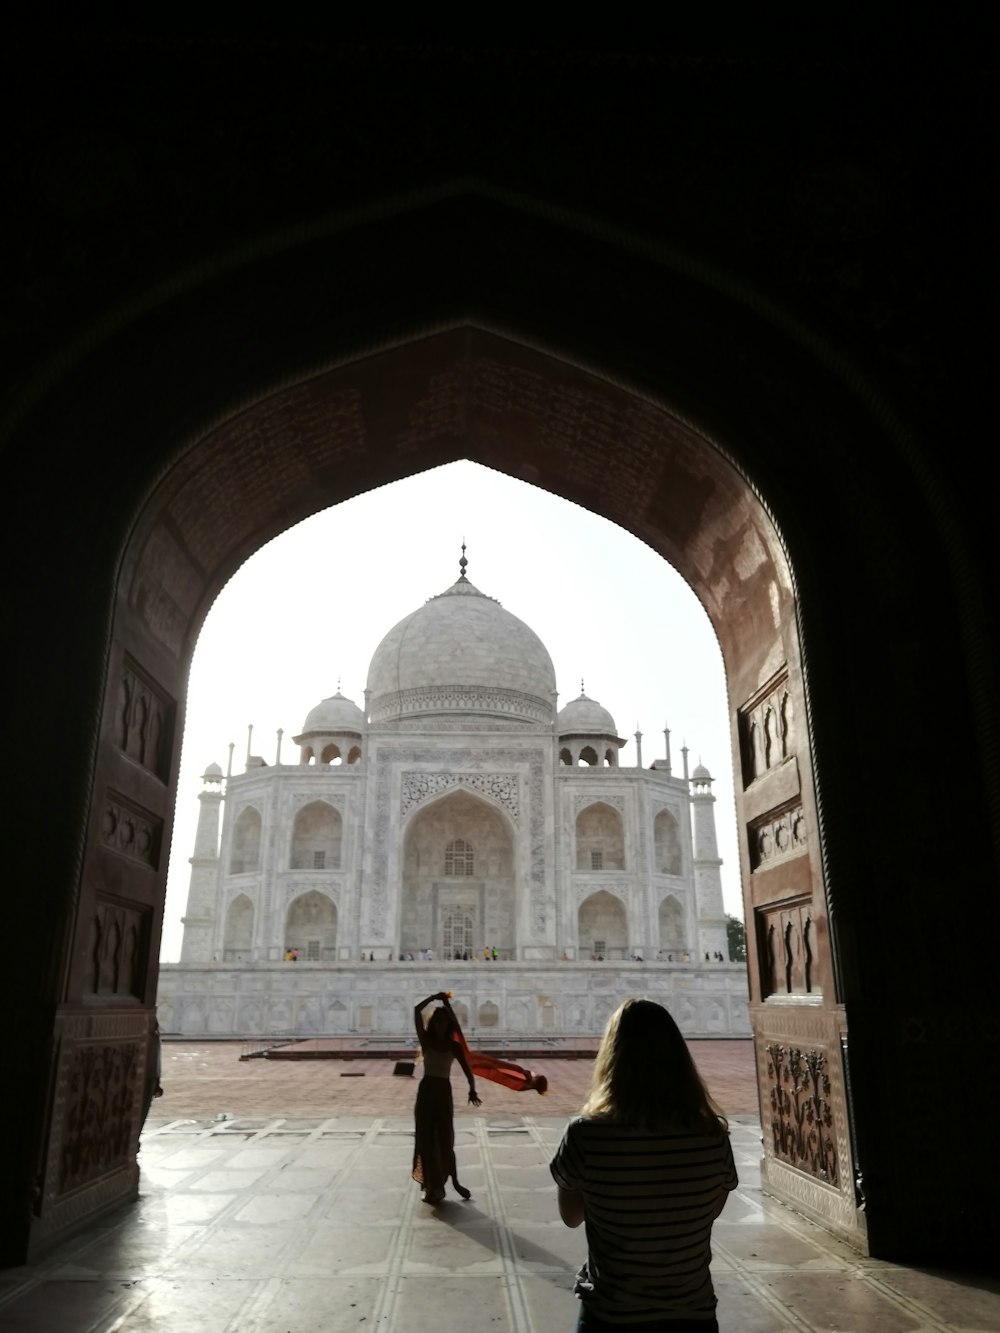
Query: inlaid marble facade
[{"x": 458, "y": 813}]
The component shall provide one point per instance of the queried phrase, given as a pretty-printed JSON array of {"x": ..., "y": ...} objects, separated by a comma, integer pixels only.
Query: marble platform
[{"x": 268, "y": 1224}]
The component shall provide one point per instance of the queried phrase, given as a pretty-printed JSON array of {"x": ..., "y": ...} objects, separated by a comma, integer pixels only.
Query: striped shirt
[{"x": 650, "y": 1199}]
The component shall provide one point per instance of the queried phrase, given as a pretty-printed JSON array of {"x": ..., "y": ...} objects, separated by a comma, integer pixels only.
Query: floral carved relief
[
  {"x": 101, "y": 1087},
  {"x": 116, "y": 956},
  {"x": 786, "y": 938},
  {"x": 499, "y": 787},
  {"x": 301, "y": 798},
  {"x": 131, "y": 831},
  {"x": 802, "y": 1127},
  {"x": 144, "y": 718},
  {"x": 580, "y": 802},
  {"x": 765, "y": 727},
  {"x": 779, "y": 834}
]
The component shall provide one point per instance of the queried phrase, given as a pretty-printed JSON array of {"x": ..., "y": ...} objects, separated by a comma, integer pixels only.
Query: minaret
[
  {"x": 198, "y": 921},
  {"x": 707, "y": 869}
]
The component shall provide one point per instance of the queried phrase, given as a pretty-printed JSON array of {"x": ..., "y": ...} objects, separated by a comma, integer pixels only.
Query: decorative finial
[
  {"x": 463, "y": 562},
  {"x": 582, "y": 690},
  {"x": 338, "y": 684}
]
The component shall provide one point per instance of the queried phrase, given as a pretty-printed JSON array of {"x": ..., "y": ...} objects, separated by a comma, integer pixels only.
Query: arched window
[
  {"x": 602, "y": 927},
  {"x": 458, "y": 858},
  {"x": 600, "y": 839},
  {"x": 331, "y": 755},
  {"x": 667, "y": 844},
  {"x": 588, "y": 758},
  {"x": 316, "y": 837},
  {"x": 565, "y": 757},
  {"x": 245, "y": 855},
  {"x": 354, "y": 755},
  {"x": 238, "y": 937},
  {"x": 311, "y": 927},
  {"x": 673, "y": 929}
]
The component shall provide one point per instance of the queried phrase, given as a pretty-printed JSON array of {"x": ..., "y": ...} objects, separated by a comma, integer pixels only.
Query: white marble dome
[
  {"x": 336, "y": 714},
  {"x": 461, "y": 654},
  {"x": 585, "y": 717}
]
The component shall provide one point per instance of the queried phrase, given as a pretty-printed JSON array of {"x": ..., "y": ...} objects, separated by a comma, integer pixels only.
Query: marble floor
[{"x": 293, "y": 1225}]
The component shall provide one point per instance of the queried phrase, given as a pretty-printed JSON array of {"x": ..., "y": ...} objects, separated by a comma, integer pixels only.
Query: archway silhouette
[
  {"x": 521, "y": 407},
  {"x": 236, "y": 447}
]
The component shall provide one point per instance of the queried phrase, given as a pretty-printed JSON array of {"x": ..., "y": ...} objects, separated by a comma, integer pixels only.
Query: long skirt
[{"x": 434, "y": 1146}]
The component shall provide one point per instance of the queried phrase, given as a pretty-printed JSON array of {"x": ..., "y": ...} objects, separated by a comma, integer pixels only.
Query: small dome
[
  {"x": 213, "y": 773},
  {"x": 461, "y": 653},
  {"x": 585, "y": 717},
  {"x": 335, "y": 714},
  {"x": 701, "y": 774}
]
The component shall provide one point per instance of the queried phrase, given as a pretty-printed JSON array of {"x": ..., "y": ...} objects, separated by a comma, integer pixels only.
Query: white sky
[{"x": 312, "y": 606}]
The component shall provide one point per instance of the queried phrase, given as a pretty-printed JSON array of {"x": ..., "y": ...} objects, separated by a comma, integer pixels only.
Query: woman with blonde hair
[{"x": 647, "y": 1166}]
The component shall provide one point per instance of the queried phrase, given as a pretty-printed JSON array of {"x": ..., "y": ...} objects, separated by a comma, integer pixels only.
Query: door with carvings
[{"x": 800, "y": 1032}]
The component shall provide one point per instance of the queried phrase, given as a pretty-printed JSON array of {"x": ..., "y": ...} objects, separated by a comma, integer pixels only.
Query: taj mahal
[{"x": 460, "y": 831}]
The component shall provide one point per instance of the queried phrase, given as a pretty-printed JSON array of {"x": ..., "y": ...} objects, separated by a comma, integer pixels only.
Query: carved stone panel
[
  {"x": 499, "y": 787},
  {"x": 808, "y": 1159},
  {"x": 131, "y": 831},
  {"x": 776, "y": 835},
  {"x": 102, "y": 1081},
  {"x": 117, "y": 949},
  {"x": 787, "y": 952},
  {"x": 580, "y": 802},
  {"x": 96, "y": 1112},
  {"x": 145, "y": 720},
  {"x": 802, "y": 1126},
  {"x": 766, "y": 729}
]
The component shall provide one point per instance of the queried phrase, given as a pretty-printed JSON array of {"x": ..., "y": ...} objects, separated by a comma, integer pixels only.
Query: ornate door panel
[
  {"x": 103, "y": 1026},
  {"x": 799, "y": 1028}
]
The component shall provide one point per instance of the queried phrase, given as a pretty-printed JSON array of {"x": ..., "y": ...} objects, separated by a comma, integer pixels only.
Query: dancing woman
[
  {"x": 442, "y": 1041},
  {"x": 434, "y": 1147}
]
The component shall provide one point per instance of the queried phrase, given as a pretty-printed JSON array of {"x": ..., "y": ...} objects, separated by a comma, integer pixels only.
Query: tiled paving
[{"x": 300, "y": 1222}]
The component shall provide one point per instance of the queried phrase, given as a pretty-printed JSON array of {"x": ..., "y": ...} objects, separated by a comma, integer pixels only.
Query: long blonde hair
[{"x": 644, "y": 1074}]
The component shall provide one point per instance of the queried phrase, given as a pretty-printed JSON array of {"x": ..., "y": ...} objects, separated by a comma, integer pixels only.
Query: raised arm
[{"x": 418, "y": 1014}]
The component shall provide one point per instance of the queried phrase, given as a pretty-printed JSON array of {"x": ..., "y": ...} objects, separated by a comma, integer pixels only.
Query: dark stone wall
[{"x": 796, "y": 251}]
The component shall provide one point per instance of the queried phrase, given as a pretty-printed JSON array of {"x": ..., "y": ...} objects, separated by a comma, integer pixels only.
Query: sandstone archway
[
  {"x": 469, "y": 392},
  {"x": 262, "y": 404}
]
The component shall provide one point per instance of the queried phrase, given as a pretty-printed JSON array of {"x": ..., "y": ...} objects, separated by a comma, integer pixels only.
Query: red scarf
[{"x": 505, "y": 1072}]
